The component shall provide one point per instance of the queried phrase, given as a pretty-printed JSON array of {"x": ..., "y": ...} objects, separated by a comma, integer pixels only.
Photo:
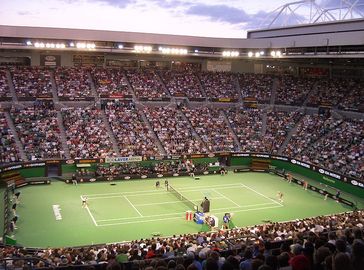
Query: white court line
[
  {"x": 89, "y": 212},
  {"x": 195, "y": 188},
  {"x": 169, "y": 202},
  {"x": 132, "y": 205},
  {"x": 159, "y": 219},
  {"x": 261, "y": 194},
  {"x": 180, "y": 213},
  {"x": 225, "y": 197}
]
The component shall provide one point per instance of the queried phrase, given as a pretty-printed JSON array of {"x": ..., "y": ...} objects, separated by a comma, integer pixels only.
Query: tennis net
[{"x": 176, "y": 193}]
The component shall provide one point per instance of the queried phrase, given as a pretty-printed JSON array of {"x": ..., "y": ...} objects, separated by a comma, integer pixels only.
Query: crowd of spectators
[
  {"x": 130, "y": 131},
  {"x": 219, "y": 84},
  {"x": 210, "y": 125},
  {"x": 72, "y": 83},
  {"x": 348, "y": 94},
  {"x": 247, "y": 125},
  {"x": 138, "y": 169},
  {"x": 86, "y": 133},
  {"x": 182, "y": 83},
  {"x": 332, "y": 242},
  {"x": 4, "y": 86},
  {"x": 174, "y": 131},
  {"x": 110, "y": 82},
  {"x": 8, "y": 149},
  {"x": 146, "y": 84},
  {"x": 293, "y": 90},
  {"x": 31, "y": 82},
  {"x": 279, "y": 123},
  {"x": 309, "y": 129},
  {"x": 38, "y": 131},
  {"x": 258, "y": 86},
  {"x": 341, "y": 150}
]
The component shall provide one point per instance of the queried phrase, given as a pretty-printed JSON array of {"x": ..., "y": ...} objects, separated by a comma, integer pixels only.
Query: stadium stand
[
  {"x": 219, "y": 84},
  {"x": 309, "y": 243},
  {"x": 131, "y": 133},
  {"x": 182, "y": 83},
  {"x": 110, "y": 83},
  {"x": 8, "y": 149},
  {"x": 38, "y": 132},
  {"x": 72, "y": 83},
  {"x": 86, "y": 133},
  {"x": 258, "y": 86},
  {"x": 212, "y": 129},
  {"x": 247, "y": 125},
  {"x": 31, "y": 82},
  {"x": 4, "y": 86},
  {"x": 173, "y": 131},
  {"x": 146, "y": 84}
]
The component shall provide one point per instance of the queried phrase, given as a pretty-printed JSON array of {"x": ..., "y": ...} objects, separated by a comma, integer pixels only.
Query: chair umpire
[{"x": 205, "y": 205}]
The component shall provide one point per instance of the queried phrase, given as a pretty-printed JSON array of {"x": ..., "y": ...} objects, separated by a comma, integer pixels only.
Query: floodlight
[
  {"x": 261, "y": 52},
  {"x": 72, "y": 44},
  {"x": 257, "y": 54},
  {"x": 196, "y": 51},
  {"x": 278, "y": 53},
  {"x": 120, "y": 46},
  {"x": 250, "y": 54},
  {"x": 29, "y": 43},
  {"x": 36, "y": 45},
  {"x": 273, "y": 53}
]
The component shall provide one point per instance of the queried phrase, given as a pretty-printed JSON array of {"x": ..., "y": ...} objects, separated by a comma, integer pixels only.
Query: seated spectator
[
  {"x": 72, "y": 83},
  {"x": 86, "y": 133},
  {"x": 146, "y": 84},
  {"x": 219, "y": 84},
  {"x": 131, "y": 133},
  {"x": 110, "y": 82},
  {"x": 31, "y": 82},
  {"x": 173, "y": 131},
  {"x": 38, "y": 131},
  {"x": 8, "y": 150}
]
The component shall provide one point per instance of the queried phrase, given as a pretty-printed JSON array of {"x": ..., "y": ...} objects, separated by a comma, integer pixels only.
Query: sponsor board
[
  {"x": 297, "y": 162},
  {"x": 331, "y": 174},
  {"x": 123, "y": 159},
  {"x": 57, "y": 211},
  {"x": 357, "y": 184}
]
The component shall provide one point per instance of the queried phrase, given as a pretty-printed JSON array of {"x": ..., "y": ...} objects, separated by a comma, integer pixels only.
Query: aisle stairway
[
  {"x": 11, "y": 87},
  {"x": 115, "y": 145},
  {"x": 63, "y": 135},
  {"x": 274, "y": 91},
  {"x": 19, "y": 145},
  {"x": 227, "y": 122},
  {"x": 156, "y": 139}
]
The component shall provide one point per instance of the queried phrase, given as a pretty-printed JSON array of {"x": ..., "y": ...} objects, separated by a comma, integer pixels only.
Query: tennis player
[
  {"x": 84, "y": 202},
  {"x": 280, "y": 196}
]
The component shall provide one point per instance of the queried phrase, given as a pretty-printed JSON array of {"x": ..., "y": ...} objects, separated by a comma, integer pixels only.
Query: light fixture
[{"x": 250, "y": 54}]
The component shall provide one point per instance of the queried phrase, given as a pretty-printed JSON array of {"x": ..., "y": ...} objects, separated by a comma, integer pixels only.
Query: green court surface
[{"x": 137, "y": 209}]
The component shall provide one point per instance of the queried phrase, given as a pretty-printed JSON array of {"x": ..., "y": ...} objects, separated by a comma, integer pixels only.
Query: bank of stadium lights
[
  {"x": 230, "y": 53},
  {"x": 256, "y": 54},
  {"x": 49, "y": 45},
  {"x": 276, "y": 53},
  {"x": 142, "y": 49},
  {"x": 84, "y": 45},
  {"x": 177, "y": 51}
]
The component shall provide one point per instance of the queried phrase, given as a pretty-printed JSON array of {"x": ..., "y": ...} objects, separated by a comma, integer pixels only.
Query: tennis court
[
  {"x": 160, "y": 205},
  {"x": 52, "y": 215}
]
